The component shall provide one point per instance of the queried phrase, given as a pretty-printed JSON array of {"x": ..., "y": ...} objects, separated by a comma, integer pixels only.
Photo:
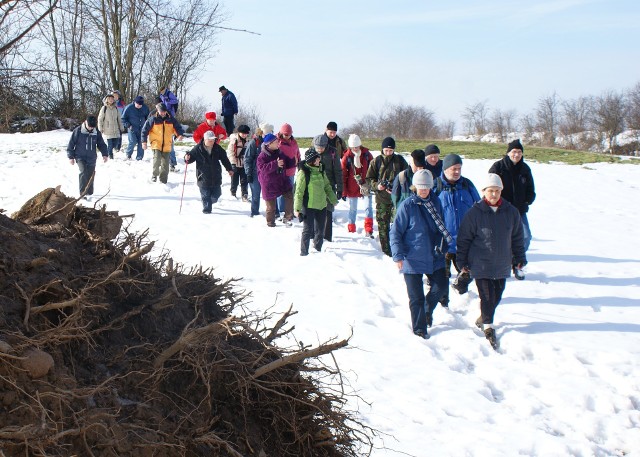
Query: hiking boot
[
  {"x": 422, "y": 334},
  {"x": 461, "y": 283},
  {"x": 245, "y": 198},
  {"x": 172, "y": 168},
  {"x": 490, "y": 335},
  {"x": 233, "y": 194},
  {"x": 370, "y": 234},
  {"x": 154, "y": 178},
  {"x": 287, "y": 222},
  {"x": 271, "y": 224},
  {"x": 429, "y": 320},
  {"x": 479, "y": 323}
]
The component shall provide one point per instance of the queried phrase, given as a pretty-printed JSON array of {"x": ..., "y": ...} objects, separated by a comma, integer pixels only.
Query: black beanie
[
  {"x": 332, "y": 126},
  {"x": 515, "y": 144},
  {"x": 244, "y": 129},
  {"x": 431, "y": 149},
  {"x": 451, "y": 160},
  {"x": 389, "y": 142}
]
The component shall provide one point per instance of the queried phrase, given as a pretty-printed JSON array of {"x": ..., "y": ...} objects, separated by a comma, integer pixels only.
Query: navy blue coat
[
  {"x": 83, "y": 145},
  {"x": 490, "y": 243},
  {"x": 414, "y": 237},
  {"x": 134, "y": 118},
  {"x": 208, "y": 168},
  {"x": 229, "y": 104}
]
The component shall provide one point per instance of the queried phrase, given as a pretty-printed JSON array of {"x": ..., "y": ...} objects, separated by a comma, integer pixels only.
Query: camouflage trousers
[{"x": 384, "y": 216}]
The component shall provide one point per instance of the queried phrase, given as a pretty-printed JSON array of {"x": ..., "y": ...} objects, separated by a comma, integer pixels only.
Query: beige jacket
[{"x": 109, "y": 121}]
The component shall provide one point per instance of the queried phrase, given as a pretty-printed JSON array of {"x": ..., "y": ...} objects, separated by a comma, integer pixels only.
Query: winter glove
[
  {"x": 300, "y": 216},
  {"x": 234, "y": 168}
]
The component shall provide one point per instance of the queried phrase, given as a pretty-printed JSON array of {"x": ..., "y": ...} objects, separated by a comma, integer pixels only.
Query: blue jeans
[
  {"x": 134, "y": 139},
  {"x": 527, "y": 232},
  {"x": 421, "y": 305},
  {"x": 172, "y": 155},
  {"x": 353, "y": 208},
  {"x": 255, "y": 196},
  {"x": 280, "y": 199},
  {"x": 209, "y": 196},
  {"x": 113, "y": 143}
]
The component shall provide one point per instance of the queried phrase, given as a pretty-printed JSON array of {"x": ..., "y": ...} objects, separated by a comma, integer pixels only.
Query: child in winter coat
[{"x": 313, "y": 190}]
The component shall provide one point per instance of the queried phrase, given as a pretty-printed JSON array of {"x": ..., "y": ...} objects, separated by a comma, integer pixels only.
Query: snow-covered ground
[{"x": 567, "y": 378}]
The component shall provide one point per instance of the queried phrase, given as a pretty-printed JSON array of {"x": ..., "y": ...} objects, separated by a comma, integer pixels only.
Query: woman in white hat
[{"x": 490, "y": 243}]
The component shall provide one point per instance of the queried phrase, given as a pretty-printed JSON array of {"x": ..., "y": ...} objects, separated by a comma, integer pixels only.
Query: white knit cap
[
  {"x": 354, "y": 141},
  {"x": 266, "y": 128},
  {"x": 493, "y": 180},
  {"x": 422, "y": 179}
]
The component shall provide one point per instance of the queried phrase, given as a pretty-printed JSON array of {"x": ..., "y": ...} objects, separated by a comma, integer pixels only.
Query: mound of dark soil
[{"x": 105, "y": 351}]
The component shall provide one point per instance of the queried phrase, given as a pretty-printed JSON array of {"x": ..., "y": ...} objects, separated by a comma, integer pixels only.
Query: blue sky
[{"x": 319, "y": 61}]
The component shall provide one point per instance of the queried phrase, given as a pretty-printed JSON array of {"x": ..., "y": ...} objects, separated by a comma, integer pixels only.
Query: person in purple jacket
[{"x": 271, "y": 164}]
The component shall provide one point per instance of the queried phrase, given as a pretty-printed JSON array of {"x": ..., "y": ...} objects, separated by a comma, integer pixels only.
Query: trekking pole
[{"x": 184, "y": 182}]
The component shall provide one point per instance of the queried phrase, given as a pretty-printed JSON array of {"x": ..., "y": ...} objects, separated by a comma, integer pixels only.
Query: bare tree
[
  {"x": 548, "y": 117},
  {"x": 475, "y": 117},
  {"x": 609, "y": 115},
  {"x": 249, "y": 114},
  {"x": 447, "y": 129},
  {"x": 529, "y": 126},
  {"x": 501, "y": 123},
  {"x": 574, "y": 125},
  {"x": 18, "y": 18},
  {"x": 633, "y": 108}
]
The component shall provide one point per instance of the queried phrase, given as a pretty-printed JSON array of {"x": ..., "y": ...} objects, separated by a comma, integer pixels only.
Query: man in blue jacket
[
  {"x": 229, "y": 109},
  {"x": 418, "y": 241},
  {"x": 82, "y": 149},
  {"x": 133, "y": 118},
  {"x": 457, "y": 194}
]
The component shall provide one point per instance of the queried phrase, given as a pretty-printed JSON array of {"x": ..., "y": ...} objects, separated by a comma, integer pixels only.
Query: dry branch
[{"x": 299, "y": 357}]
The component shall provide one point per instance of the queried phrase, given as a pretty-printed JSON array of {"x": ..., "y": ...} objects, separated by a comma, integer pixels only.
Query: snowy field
[{"x": 566, "y": 381}]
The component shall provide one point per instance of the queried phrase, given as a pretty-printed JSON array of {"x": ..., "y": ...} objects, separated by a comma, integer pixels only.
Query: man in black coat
[
  {"x": 208, "y": 155},
  {"x": 517, "y": 179},
  {"x": 82, "y": 149},
  {"x": 489, "y": 244}
]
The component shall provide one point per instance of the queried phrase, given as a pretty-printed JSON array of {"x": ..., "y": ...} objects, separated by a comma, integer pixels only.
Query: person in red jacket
[
  {"x": 355, "y": 163},
  {"x": 209, "y": 124}
]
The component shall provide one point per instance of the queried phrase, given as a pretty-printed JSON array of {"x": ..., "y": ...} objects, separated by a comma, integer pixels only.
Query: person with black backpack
[{"x": 313, "y": 191}]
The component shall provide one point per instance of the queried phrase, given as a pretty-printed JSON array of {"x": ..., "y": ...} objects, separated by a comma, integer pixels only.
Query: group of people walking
[
  {"x": 430, "y": 218},
  {"x": 445, "y": 222}
]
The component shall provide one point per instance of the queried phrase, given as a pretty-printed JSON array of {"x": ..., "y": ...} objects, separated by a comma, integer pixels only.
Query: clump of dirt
[{"x": 105, "y": 351}]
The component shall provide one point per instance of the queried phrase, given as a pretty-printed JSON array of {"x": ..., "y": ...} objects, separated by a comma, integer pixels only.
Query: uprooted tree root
[{"x": 105, "y": 351}]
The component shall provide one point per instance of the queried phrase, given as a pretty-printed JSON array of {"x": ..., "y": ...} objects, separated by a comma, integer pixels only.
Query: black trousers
[
  {"x": 490, "y": 291},
  {"x": 313, "y": 227},
  {"x": 241, "y": 176}
]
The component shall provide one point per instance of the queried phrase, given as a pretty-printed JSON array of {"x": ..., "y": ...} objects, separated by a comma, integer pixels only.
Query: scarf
[{"x": 356, "y": 158}]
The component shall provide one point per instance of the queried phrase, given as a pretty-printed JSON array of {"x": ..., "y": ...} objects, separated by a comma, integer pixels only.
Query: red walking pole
[{"x": 183, "y": 184}]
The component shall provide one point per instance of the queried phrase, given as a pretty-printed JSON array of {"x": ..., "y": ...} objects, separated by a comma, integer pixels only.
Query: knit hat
[
  {"x": 211, "y": 115},
  {"x": 311, "y": 155},
  {"x": 221, "y": 88},
  {"x": 286, "y": 129},
  {"x": 266, "y": 128},
  {"x": 354, "y": 141},
  {"x": 320, "y": 141},
  {"x": 244, "y": 129},
  {"x": 451, "y": 160},
  {"x": 332, "y": 126},
  {"x": 493, "y": 180},
  {"x": 161, "y": 107},
  {"x": 389, "y": 142},
  {"x": 422, "y": 179},
  {"x": 139, "y": 100},
  {"x": 515, "y": 144},
  {"x": 269, "y": 138},
  {"x": 209, "y": 135},
  {"x": 418, "y": 158},
  {"x": 431, "y": 149}
]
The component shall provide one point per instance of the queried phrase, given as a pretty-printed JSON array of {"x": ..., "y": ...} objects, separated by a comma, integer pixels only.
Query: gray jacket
[{"x": 490, "y": 243}]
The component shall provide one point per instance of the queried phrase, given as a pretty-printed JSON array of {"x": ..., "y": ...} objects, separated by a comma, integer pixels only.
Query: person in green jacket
[{"x": 313, "y": 190}]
